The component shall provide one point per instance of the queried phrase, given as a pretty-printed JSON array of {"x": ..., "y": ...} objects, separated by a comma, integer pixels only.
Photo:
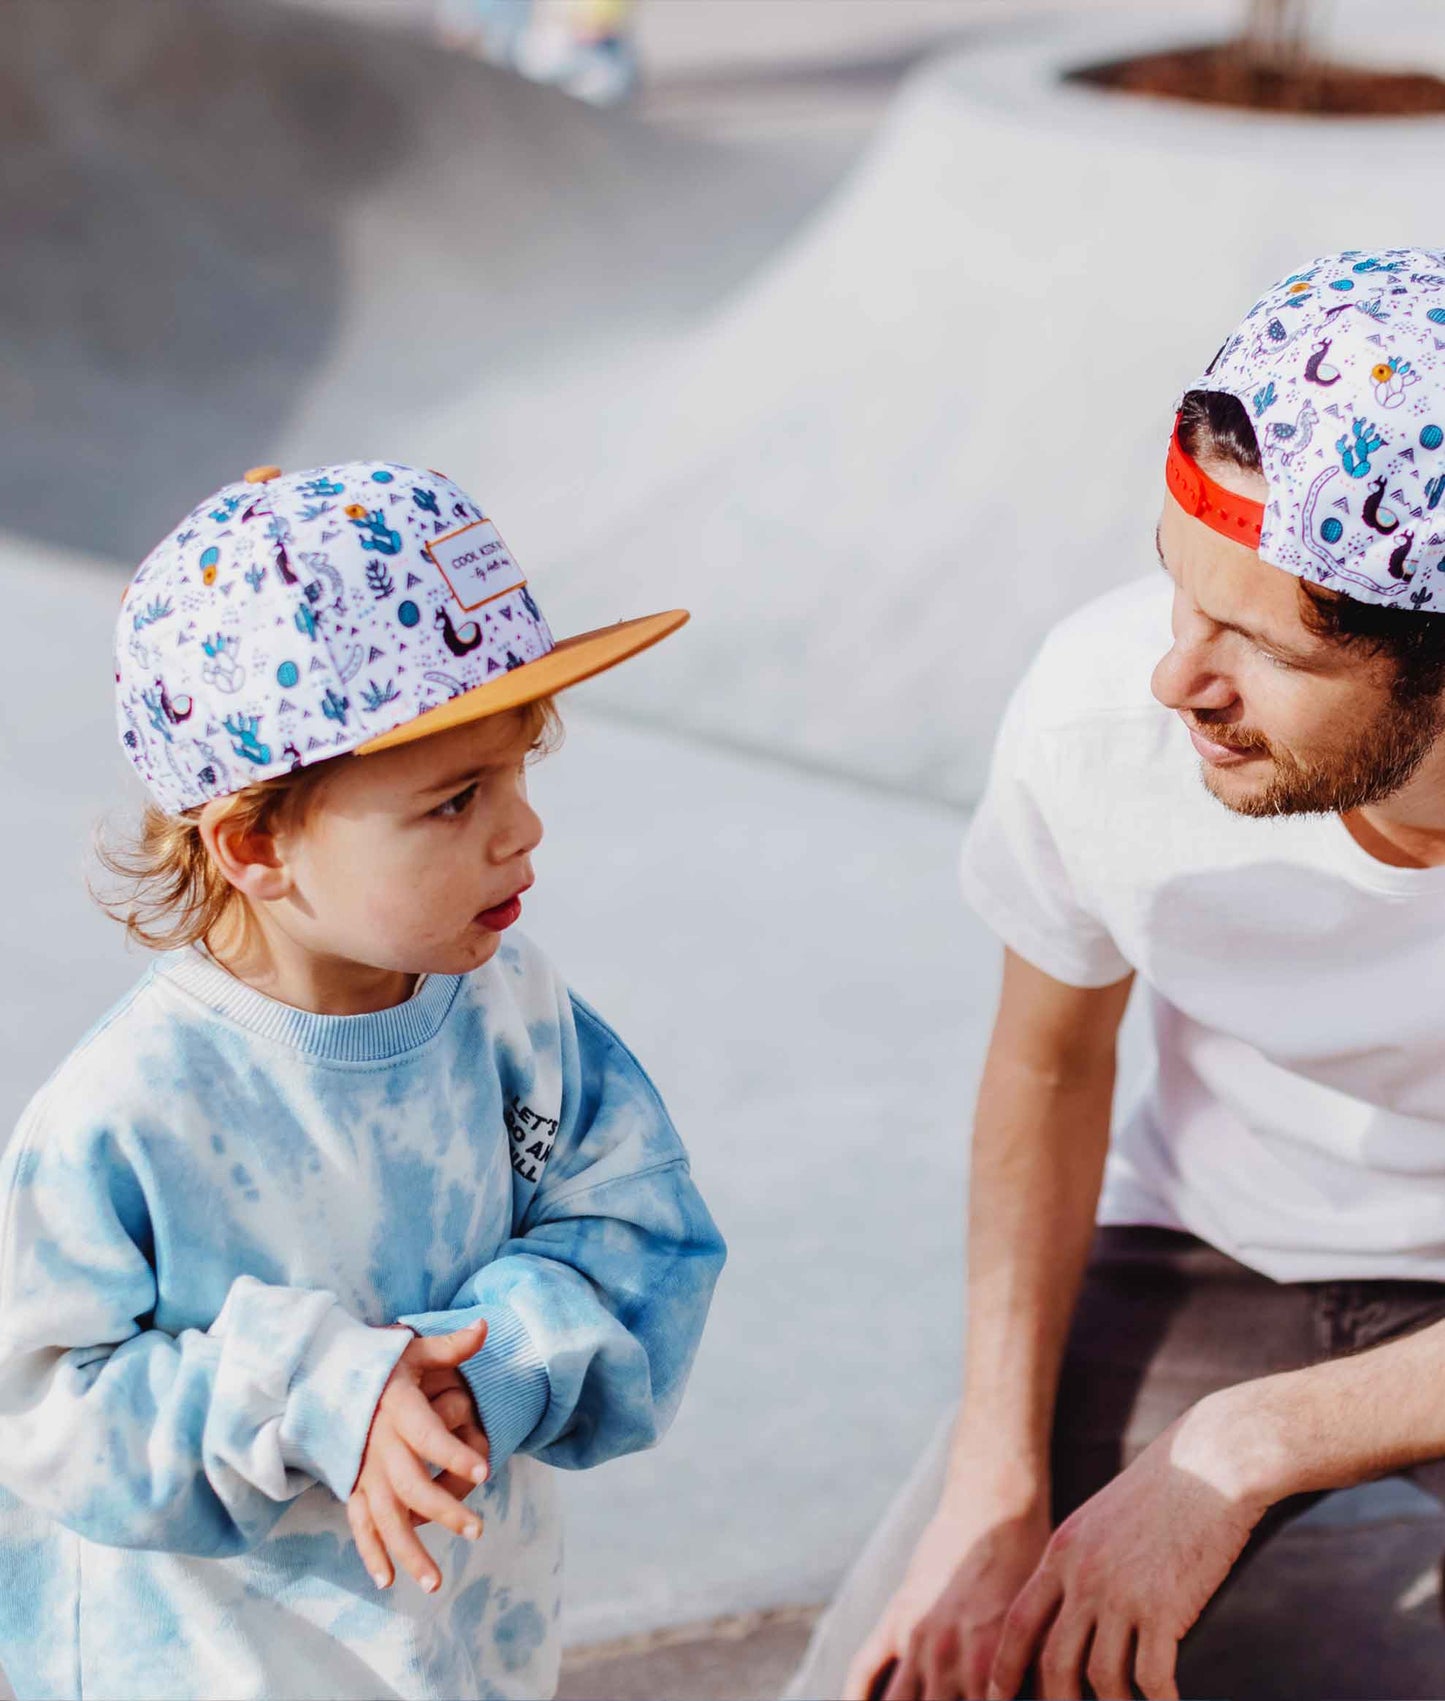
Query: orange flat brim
[{"x": 570, "y": 662}]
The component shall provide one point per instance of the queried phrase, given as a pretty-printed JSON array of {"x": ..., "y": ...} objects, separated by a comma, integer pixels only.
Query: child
[{"x": 349, "y": 1189}]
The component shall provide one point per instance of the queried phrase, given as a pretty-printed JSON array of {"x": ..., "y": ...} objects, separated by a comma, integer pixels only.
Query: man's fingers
[
  {"x": 904, "y": 1683},
  {"x": 1110, "y": 1656},
  {"x": 434, "y": 1352},
  {"x": 416, "y": 1490},
  {"x": 1022, "y": 1631},
  {"x": 401, "y": 1540},
  {"x": 368, "y": 1543},
  {"x": 417, "y": 1423},
  {"x": 975, "y": 1663},
  {"x": 1154, "y": 1665},
  {"x": 1061, "y": 1662},
  {"x": 938, "y": 1662},
  {"x": 875, "y": 1653}
]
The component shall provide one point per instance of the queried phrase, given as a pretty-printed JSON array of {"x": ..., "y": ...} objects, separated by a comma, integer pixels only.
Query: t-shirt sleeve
[{"x": 1014, "y": 868}]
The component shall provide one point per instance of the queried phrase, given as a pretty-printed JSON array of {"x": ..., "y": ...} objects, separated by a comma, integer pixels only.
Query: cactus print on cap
[
  {"x": 285, "y": 622},
  {"x": 1340, "y": 368}
]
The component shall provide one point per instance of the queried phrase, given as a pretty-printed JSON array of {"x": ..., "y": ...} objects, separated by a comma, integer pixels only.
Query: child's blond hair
[{"x": 171, "y": 893}]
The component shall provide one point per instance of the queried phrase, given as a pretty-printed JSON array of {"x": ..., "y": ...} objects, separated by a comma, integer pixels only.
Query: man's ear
[{"x": 246, "y": 854}]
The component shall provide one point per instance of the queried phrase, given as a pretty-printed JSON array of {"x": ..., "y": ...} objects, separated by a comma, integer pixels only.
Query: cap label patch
[{"x": 476, "y": 564}]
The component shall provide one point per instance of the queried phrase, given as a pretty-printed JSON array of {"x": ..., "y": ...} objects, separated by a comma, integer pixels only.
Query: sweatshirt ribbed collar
[{"x": 369, "y": 1038}]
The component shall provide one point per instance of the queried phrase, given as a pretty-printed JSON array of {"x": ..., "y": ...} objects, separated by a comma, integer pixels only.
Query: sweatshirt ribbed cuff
[
  {"x": 333, "y": 1398},
  {"x": 508, "y": 1377}
]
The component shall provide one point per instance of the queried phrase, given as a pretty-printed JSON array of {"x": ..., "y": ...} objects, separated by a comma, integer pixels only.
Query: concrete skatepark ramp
[{"x": 207, "y": 205}]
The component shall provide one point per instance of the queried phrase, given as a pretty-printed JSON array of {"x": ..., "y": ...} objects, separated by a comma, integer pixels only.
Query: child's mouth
[{"x": 501, "y": 917}]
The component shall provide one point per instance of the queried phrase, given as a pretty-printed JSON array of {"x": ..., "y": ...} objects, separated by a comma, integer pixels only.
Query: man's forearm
[
  {"x": 1038, "y": 1160},
  {"x": 1329, "y": 1425},
  {"x": 1041, "y": 1133}
]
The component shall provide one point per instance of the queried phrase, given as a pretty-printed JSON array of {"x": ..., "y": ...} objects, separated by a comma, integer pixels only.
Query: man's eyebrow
[{"x": 1265, "y": 642}]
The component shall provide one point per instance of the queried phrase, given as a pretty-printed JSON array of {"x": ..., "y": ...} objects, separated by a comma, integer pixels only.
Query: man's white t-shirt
[{"x": 1295, "y": 1114}]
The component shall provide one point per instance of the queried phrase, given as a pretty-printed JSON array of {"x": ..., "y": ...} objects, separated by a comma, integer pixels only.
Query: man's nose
[{"x": 1186, "y": 679}]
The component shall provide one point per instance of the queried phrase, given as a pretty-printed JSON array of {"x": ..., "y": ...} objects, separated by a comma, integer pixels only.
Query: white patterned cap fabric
[
  {"x": 293, "y": 619},
  {"x": 1340, "y": 368}
]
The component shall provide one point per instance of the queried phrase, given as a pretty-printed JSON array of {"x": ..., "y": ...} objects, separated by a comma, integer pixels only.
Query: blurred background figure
[
  {"x": 492, "y": 29},
  {"x": 586, "y": 47}
]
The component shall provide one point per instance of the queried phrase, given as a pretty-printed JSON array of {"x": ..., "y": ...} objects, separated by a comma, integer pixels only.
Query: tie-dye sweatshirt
[{"x": 208, "y": 1215}]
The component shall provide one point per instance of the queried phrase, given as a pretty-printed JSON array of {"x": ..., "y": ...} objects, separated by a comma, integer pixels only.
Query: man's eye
[{"x": 455, "y": 806}]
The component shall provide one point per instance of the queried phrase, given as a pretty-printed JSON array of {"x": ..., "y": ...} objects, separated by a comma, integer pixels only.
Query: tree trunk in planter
[{"x": 1276, "y": 35}]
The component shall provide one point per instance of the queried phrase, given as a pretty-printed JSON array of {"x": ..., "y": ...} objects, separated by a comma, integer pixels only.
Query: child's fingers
[
  {"x": 429, "y": 1352},
  {"x": 416, "y": 1422},
  {"x": 394, "y": 1527},
  {"x": 472, "y": 1437},
  {"x": 368, "y": 1544},
  {"x": 416, "y": 1490},
  {"x": 454, "y": 1407},
  {"x": 438, "y": 1379}
]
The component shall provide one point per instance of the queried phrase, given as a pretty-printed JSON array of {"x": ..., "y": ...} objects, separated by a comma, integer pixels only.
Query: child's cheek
[{"x": 408, "y": 901}]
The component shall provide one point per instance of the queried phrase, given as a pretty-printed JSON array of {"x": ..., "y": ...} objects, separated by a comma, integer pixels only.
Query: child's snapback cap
[{"x": 291, "y": 618}]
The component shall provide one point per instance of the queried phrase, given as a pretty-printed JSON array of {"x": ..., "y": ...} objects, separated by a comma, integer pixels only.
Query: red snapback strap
[{"x": 1237, "y": 517}]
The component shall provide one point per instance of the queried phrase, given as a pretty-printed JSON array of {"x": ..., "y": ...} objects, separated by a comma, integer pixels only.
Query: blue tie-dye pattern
[
  {"x": 206, "y": 1217},
  {"x": 518, "y": 1634}
]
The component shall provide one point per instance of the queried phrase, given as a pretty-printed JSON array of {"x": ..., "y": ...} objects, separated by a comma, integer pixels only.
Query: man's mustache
[{"x": 1250, "y": 744}]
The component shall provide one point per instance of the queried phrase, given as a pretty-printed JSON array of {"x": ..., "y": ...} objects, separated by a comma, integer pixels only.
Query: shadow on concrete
[
  {"x": 195, "y": 197},
  {"x": 173, "y": 259}
]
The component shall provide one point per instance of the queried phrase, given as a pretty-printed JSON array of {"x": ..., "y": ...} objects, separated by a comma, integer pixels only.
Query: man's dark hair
[{"x": 1216, "y": 426}]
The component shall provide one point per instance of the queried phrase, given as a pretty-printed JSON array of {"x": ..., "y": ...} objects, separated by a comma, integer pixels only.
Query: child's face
[{"x": 414, "y": 859}]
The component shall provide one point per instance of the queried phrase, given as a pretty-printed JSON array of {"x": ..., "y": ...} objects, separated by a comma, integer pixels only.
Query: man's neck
[{"x": 1408, "y": 829}]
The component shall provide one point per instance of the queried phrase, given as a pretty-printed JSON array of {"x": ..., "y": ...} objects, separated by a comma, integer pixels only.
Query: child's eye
[{"x": 457, "y": 805}]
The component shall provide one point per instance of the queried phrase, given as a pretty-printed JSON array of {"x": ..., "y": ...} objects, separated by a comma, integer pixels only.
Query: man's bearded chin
[{"x": 1373, "y": 767}]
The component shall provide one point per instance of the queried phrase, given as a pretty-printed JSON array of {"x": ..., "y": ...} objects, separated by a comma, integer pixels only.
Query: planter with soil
[{"x": 1225, "y": 74}]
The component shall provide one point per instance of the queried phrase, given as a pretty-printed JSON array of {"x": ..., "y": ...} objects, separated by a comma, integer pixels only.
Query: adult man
[{"x": 1262, "y": 1315}]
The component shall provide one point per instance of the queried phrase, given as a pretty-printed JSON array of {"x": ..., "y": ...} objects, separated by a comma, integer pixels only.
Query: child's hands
[
  {"x": 407, "y": 1434},
  {"x": 451, "y": 1400}
]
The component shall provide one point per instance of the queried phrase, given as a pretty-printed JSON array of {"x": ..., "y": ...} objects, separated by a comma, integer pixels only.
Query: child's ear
[{"x": 246, "y": 854}]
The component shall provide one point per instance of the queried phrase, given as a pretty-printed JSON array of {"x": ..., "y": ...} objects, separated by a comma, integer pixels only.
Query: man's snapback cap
[{"x": 1340, "y": 368}]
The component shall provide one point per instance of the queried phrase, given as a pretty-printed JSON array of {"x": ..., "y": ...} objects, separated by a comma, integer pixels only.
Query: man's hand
[
  {"x": 940, "y": 1630},
  {"x": 1127, "y": 1574},
  {"x": 407, "y": 1435}
]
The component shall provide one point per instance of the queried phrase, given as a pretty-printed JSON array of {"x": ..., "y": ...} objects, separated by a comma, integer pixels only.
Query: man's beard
[{"x": 1378, "y": 762}]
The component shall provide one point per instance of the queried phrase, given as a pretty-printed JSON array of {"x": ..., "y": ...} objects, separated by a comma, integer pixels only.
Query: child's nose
[{"x": 520, "y": 833}]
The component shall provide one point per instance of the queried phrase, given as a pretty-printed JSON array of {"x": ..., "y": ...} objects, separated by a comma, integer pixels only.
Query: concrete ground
[{"x": 748, "y": 1658}]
